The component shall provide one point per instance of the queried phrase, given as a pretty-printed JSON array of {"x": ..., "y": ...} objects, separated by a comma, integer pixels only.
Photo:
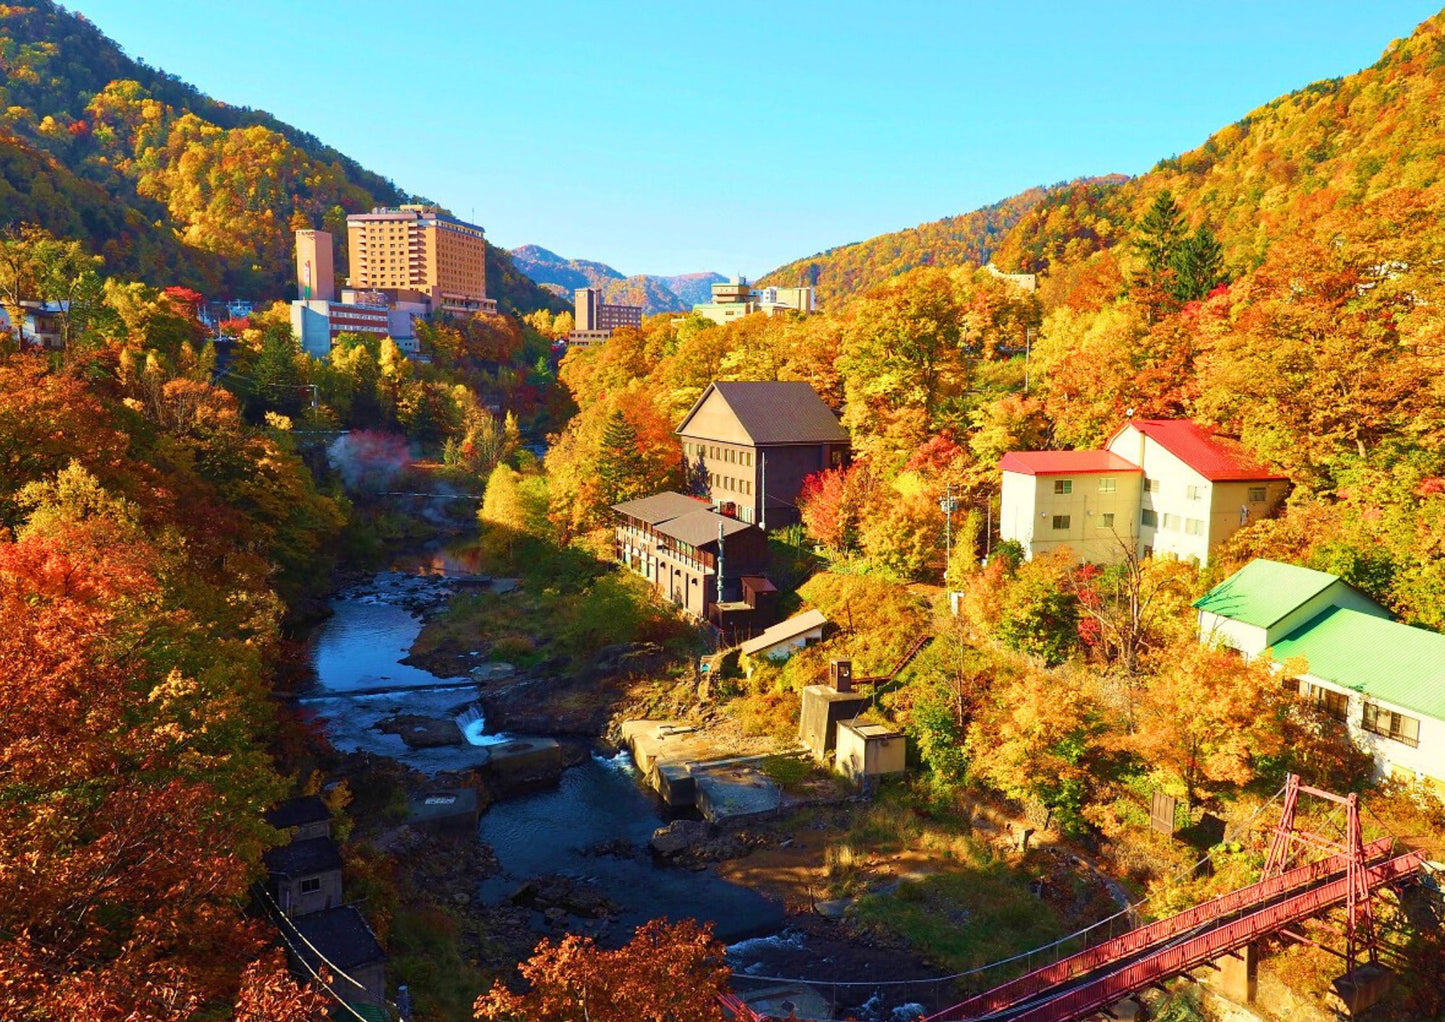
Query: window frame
[
  {"x": 1066, "y": 520},
  {"x": 1063, "y": 487}
]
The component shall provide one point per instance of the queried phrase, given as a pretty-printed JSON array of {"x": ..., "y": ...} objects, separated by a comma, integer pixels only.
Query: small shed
[
  {"x": 785, "y": 638},
  {"x": 305, "y": 875},
  {"x": 824, "y": 707},
  {"x": 869, "y": 750},
  {"x": 341, "y": 941},
  {"x": 305, "y": 817}
]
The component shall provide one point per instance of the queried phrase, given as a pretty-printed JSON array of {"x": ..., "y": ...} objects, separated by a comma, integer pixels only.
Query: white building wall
[
  {"x": 1029, "y": 505},
  {"x": 1393, "y": 758},
  {"x": 1252, "y": 640}
]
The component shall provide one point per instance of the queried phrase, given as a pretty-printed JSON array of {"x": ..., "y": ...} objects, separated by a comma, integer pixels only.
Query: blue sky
[{"x": 668, "y": 137}]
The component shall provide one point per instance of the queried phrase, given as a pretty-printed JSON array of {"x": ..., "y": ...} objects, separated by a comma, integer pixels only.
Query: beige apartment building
[
  {"x": 418, "y": 253},
  {"x": 315, "y": 271},
  {"x": 595, "y": 318},
  {"x": 1162, "y": 486},
  {"x": 736, "y": 298}
]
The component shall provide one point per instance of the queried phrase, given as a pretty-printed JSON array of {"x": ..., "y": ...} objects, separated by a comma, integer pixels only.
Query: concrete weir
[{"x": 688, "y": 770}]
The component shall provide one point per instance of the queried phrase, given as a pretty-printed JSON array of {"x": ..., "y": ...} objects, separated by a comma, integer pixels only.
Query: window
[
  {"x": 1171, "y": 522},
  {"x": 1061, "y": 522},
  {"x": 749, "y": 456},
  {"x": 1395, "y": 726},
  {"x": 1151, "y": 486},
  {"x": 1336, "y": 704},
  {"x": 310, "y": 885},
  {"x": 1106, "y": 520},
  {"x": 1108, "y": 485},
  {"x": 1063, "y": 486},
  {"x": 1148, "y": 517},
  {"x": 1256, "y": 494},
  {"x": 1194, "y": 526},
  {"x": 1193, "y": 492},
  {"x": 1290, "y": 685}
]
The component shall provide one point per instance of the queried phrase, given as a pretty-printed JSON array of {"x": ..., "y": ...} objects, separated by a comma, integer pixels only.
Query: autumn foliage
[{"x": 668, "y": 972}]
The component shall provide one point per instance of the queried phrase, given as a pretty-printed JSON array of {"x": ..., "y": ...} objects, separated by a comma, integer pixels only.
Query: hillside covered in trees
[
  {"x": 847, "y": 270},
  {"x": 167, "y": 184}
]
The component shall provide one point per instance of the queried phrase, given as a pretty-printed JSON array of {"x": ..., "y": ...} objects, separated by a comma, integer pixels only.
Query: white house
[
  {"x": 1168, "y": 486},
  {"x": 785, "y": 638},
  {"x": 1383, "y": 679}
]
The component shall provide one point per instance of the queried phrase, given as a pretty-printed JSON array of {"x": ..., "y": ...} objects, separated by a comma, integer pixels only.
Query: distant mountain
[
  {"x": 846, "y": 270},
  {"x": 168, "y": 184},
  {"x": 655, "y": 293}
]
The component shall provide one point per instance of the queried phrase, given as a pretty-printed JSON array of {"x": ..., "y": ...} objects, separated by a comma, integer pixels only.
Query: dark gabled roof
[
  {"x": 304, "y": 858},
  {"x": 700, "y": 528},
  {"x": 341, "y": 935},
  {"x": 659, "y": 507},
  {"x": 775, "y": 412},
  {"x": 296, "y": 812}
]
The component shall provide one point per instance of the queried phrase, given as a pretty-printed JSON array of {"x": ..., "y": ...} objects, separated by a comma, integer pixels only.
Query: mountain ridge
[{"x": 656, "y": 293}]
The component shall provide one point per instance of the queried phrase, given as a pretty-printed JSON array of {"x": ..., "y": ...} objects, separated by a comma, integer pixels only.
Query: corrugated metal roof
[
  {"x": 1216, "y": 458},
  {"x": 1052, "y": 463},
  {"x": 784, "y": 630},
  {"x": 699, "y": 528},
  {"x": 1263, "y": 591},
  {"x": 342, "y": 935},
  {"x": 775, "y": 412},
  {"x": 660, "y": 507},
  {"x": 1373, "y": 656}
]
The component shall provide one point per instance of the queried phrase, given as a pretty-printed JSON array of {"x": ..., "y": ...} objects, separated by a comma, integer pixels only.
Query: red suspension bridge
[{"x": 1346, "y": 873}]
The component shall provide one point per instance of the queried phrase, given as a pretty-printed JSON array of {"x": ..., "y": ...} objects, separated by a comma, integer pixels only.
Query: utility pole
[
  {"x": 948, "y": 506},
  {"x": 1028, "y": 354},
  {"x": 763, "y": 493}
]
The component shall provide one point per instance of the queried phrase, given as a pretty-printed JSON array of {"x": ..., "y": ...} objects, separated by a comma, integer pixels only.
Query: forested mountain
[
  {"x": 169, "y": 185},
  {"x": 846, "y": 270},
  {"x": 654, "y": 293}
]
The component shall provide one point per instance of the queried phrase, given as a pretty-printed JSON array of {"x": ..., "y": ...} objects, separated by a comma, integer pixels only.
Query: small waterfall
[{"x": 474, "y": 725}]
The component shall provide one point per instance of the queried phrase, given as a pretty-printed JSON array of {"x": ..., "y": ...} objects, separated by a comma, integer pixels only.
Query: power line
[{"x": 282, "y": 921}]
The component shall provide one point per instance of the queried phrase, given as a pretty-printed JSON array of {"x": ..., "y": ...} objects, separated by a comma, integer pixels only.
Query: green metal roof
[
  {"x": 1374, "y": 656},
  {"x": 1263, "y": 591}
]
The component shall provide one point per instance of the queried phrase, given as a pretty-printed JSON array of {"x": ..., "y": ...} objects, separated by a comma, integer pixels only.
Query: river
[{"x": 545, "y": 833}]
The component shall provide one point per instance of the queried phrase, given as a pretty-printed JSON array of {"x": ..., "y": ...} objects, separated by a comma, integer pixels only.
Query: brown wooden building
[
  {"x": 758, "y": 441},
  {"x": 677, "y": 542}
]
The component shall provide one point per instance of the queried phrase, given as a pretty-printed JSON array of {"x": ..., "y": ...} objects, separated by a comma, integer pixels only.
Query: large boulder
[
  {"x": 422, "y": 732},
  {"x": 680, "y": 837}
]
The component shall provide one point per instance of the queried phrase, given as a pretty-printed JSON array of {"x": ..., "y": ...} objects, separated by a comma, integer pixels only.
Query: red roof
[
  {"x": 1058, "y": 463},
  {"x": 1216, "y": 458}
]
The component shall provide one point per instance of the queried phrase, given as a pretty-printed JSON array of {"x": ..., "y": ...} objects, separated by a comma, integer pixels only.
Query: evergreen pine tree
[
  {"x": 1159, "y": 232},
  {"x": 1198, "y": 265},
  {"x": 697, "y": 481},
  {"x": 619, "y": 464}
]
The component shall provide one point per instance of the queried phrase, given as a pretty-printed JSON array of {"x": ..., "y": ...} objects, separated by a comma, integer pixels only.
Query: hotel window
[
  {"x": 1061, "y": 522},
  {"x": 1148, "y": 517},
  {"x": 1193, "y": 492},
  {"x": 1108, "y": 485},
  {"x": 1336, "y": 704},
  {"x": 1106, "y": 520},
  {"x": 1063, "y": 486},
  {"x": 1171, "y": 522},
  {"x": 1151, "y": 486},
  {"x": 1194, "y": 526},
  {"x": 1395, "y": 726},
  {"x": 1256, "y": 494}
]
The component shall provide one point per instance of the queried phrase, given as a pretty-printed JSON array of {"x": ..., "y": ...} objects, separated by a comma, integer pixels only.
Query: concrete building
[
  {"x": 315, "y": 268},
  {"x": 1087, "y": 501},
  {"x": 43, "y": 324},
  {"x": 680, "y": 546},
  {"x": 418, "y": 253},
  {"x": 1185, "y": 488},
  {"x": 735, "y": 298},
  {"x": 1385, "y": 681},
  {"x": 824, "y": 707},
  {"x": 757, "y": 442},
  {"x": 302, "y": 818},
  {"x": 869, "y": 751},
  {"x": 596, "y": 319},
  {"x": 318, "y": 322}
]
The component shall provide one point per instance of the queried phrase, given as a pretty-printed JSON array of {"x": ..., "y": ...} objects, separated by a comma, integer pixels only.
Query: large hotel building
[
  {"x": 595, "y": 319},
  {"x": 418, "y": 253}
]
